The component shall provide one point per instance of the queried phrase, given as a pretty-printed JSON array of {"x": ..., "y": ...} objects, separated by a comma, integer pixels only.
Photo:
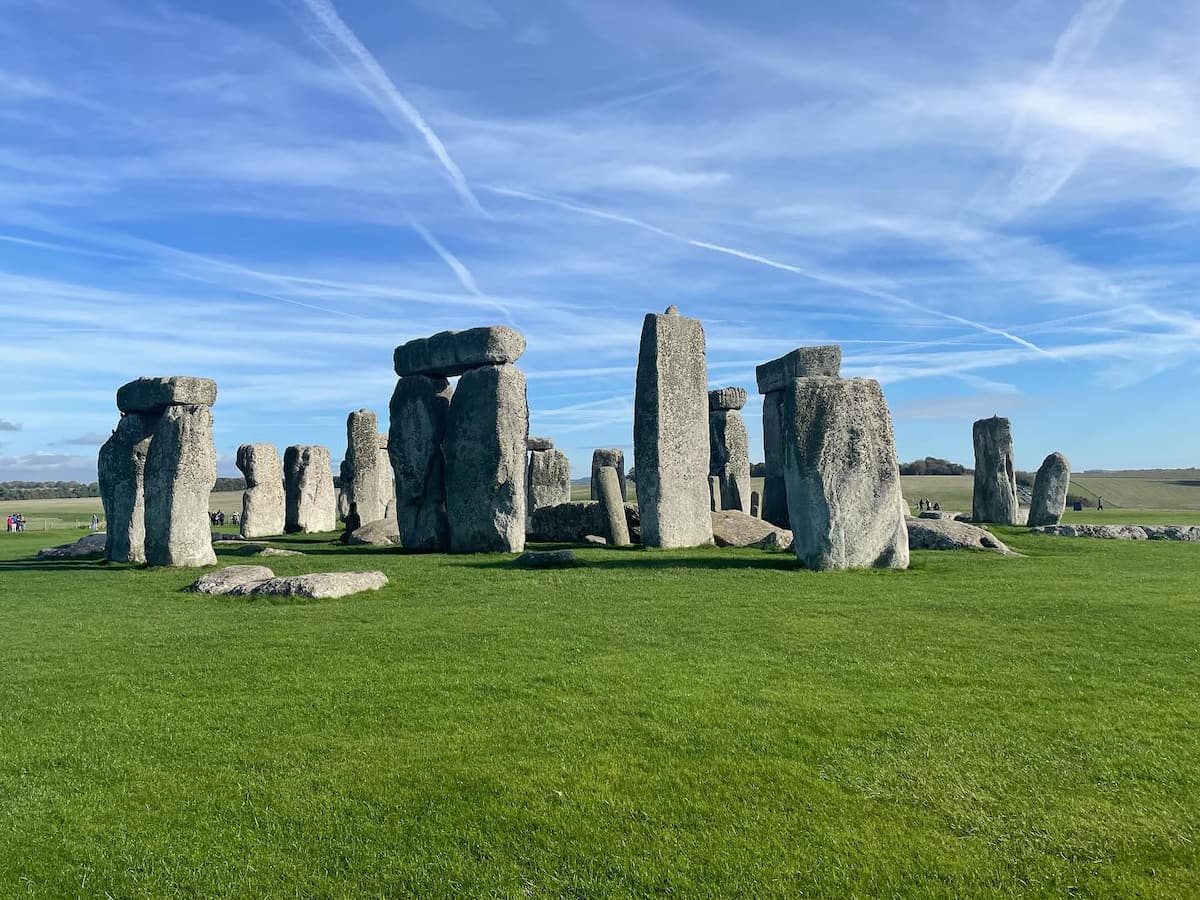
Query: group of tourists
[
  {"x": 218, "y": 518},
  {"x": 16, "y": 522},
  {"x": 925, "y": 504}
]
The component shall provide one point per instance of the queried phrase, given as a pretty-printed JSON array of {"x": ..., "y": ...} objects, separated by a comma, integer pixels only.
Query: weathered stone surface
[
  {"x": 381, "y": 532},
  {"x": 278, "y": 551},
  {"x": 546, "y": 559},
  {"x": 780, "y": 539},
  {"x": 714, "y": 493},
  {"x": 538, "y": 443},
  {"x": 1186, "y": 533},
  {"x": 670, "y": 433},
  {"x": 571, "y": 523},
  {"x": 734, "y": 528},
  {"x": 941, "y": 514},
  {"x": 843, "y": 479},
  {"x": 726, "y": 398},
  {"x": 756, "y": 504},
  {"x": 450, "y": 353},
  {"x": 608, "y": 456},
  {"x": 547, "y": 480},
  {"x": 595, "y": 539},
  {"x": 1050, "y": 491},
  {"x": 485, "y": 461},
  {"x": 262, "y": 501},
  {"x": 308, "y": 487},
  {"x": 995, "y": 498},
  {"x": 416, "y": 440},
  {"x": 120, "y": 469},
  {"x": 343, "y": 490},
  {"x": 613, "y": 505},
  {"x": 729, "y": 458},
  {"x": 947, "y": 534},
  {"x": 224, "y": 581},
  {"x": 181, "y": 469},
  {"x": 803, "y": 362},
  {"x": 89, "y": 545},
  {"x": 774, "y": 507},
  {"x": 367, "y": 489},
  {"x": 153, "y": 395},
  {"x": 315, "y": 586}
]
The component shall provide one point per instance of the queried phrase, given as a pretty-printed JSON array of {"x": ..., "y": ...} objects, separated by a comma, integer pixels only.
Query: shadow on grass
[{"x": 633, "y": 558}]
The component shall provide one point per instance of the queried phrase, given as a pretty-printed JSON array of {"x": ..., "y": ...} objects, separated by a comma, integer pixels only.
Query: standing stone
[
  {"x": 418, "y": 410},
  {"x": 367, "y": 490},
  {"x": 670, "y": 433},
  {"x": 613, "y": 505},
  {"x": 714, "y": 493},
  {"x": 262, "y": 502},
  {"x": 121, "y": 470},
  {"x": 308, "y": 486},
  {"x": 729, "y": 449},
  {"x": 756, "y": 504},
  {"x": 995, "y": 498},
  {"x": 343, "y": 494},
  {"x": 1050, "y": 491},
  {"x": 181, "y": 470},
  {"x": 608, "y": 456},
  {"x": 548, "y": 480},
  {"x": 387, "y": 478},
  {"x": 485, "y": 461},
  {"x": 843, "y": 478}
]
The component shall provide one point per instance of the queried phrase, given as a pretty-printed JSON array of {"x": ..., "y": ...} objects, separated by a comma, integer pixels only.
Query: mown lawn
[{"x": 703, "y": 723}]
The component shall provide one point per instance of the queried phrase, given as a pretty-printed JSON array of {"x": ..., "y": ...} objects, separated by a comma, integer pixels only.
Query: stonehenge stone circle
[
  {"x": 613, "y": 505},
  {"x": 451, "y": 353},
  {"x": 608, "y": 456},
  {"x": 368, "y": 489},
  {"x": 263, "y": 500},
  {"x": 995, "y": 498},
  {"x": 308, "y": 487},
  {"x": 729, "y": 450},
  {"x": 548, "y": 480},
  {"x": 154, "y": 395},
  {"x": 842, "y": 475},
  {"x": 670, "y": 433},
  {"x": 121, "y": 470},
  {"x": 485, "y": 461},
  {"x": 1050, "y": 491},
  {"x": 181, "y": 470},
  {"x": 416, "y": 437},
  {"x": 773, "y": 378}
]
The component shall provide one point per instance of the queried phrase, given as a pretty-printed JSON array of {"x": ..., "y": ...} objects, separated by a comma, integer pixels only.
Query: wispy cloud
[
  {"x": 90, "y": 439},
  {"x": 6, "y": 425}
]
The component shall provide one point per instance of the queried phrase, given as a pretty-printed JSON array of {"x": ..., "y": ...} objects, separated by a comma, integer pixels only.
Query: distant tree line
[
  {"x": 47, "y": 490},
  {"x": 932, "y": 465},
  {"x": 230, "y": 484}
]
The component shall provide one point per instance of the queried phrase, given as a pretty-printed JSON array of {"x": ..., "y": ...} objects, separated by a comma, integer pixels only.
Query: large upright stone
[
  {"x": 803, "y": 362},
  {"x": 416, "y": 436},
  {"x": 308, "y": 486},
  {"x": 387, "y": 478},
  {"x": 1050, "y": 491},
  {"x": 729, "y": 451},
  {"x": 670, "y": 433},
  {"x": 368, "y": 487},
  {"x": 608, "y": 456},
  {"x": 613, "y": 505},
  {"x": 120, "y": 470},
  {"x": 181, "y": 470},
  {"x": 154, "y": 395},
  {"x": 548, "y": 480},
  {"x": 450, "y": 353},
  {"x": 485, "y": 461},
  {"x": 263, "y": 500},
  {"x": 843, "y": 478},
  {"x": 995, "y": 497}
]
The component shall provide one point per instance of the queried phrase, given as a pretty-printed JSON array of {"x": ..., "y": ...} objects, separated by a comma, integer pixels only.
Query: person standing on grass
[{"x": 1099, "y": 503}]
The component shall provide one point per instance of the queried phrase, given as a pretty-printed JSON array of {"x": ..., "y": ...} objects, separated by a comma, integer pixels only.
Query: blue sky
[{"x": 993, "y": 206}]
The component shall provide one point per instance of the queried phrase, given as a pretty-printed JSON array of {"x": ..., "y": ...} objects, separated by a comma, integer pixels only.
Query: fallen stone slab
[
  {"x": 948, "y": 534},
  {"x": 1186, "y": 533},
  {"x": 224, "y": 581},
  {"x": 1104, "y": 532},
  {"x": 382, "y": 532},
  {"x": 88, "y": 545},
  {"x": 153, "y": 395},
  {"x": 734, "y": 528},
  {"x": 595, "y": 539},
  {"x": 276, "y": 551},
  {"x": 315, "y": 586},
  {"x": 778, "y": 374},
  {"x": 779, "y": 539},
  {"x": 546, "y": 559},
  {"x": 450, "y": 353},
  {"x": 570, "y": 523},
  {"x": 941, "y": 514}
]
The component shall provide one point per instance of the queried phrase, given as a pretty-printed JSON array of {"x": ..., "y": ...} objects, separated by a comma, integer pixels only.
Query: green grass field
[{"x": 703, "y": 723}]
